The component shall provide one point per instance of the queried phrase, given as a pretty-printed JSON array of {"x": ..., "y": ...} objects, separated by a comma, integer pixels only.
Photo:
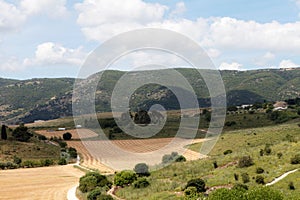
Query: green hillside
[{"x": 34, "y": 99}]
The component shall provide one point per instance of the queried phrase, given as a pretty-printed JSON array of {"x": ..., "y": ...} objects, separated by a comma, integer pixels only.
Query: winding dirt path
[{"x": 281, "y": 177}]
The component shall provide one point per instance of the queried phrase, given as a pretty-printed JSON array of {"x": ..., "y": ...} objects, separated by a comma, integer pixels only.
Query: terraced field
[{"x": 45, "y": 183}]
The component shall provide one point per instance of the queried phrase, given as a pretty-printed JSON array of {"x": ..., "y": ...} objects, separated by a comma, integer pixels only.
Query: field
[
  {"x": 101, "y": 152},
  {"x": 47, "y": 183}
]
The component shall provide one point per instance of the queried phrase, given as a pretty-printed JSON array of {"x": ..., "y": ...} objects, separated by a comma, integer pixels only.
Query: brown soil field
[{"x": 47, "y": 183}]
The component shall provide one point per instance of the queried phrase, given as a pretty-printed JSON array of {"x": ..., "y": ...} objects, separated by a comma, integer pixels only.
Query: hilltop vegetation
[{"x": 35, "y": 99}]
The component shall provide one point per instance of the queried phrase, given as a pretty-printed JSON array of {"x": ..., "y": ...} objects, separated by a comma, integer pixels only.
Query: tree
[
  {"x": 197, "y": 183},
  {"x": 3, "y": 133},
  {"x": 142, "y": 117},
  {"x": 141, "y": 183},
  {"x": 124, "y": 178},
  {"x": 92, "y": 180},
  {"x": 260, "y": 179},
  {"x": 21, "y": 133},
  {"x": 67, "y": 136},
  {"x": 94, "y": 194},
  {"x": 141, "y": 169}
]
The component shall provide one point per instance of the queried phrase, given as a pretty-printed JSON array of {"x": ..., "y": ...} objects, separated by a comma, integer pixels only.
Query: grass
[{"x": 170, "y": 181}]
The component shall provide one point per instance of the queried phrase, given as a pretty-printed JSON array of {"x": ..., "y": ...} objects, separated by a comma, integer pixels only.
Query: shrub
[
  {"x": 180, "y": 158},
  {"x": 240, "y": 186},
  {"x": 141, "y": 169},
  {"x": 245, "y": 177},
  {"x": 259, "y": 170},
  {"x": 73, "y": 152},
  {"x": 215, "y": 164},
  {"x": 67, "y": 136},
  {"x": 245, "y": 161},
  {"x": 21, "y": 133},
  {"x": 291, "y": 186},
  {"x": 47, "y": 162},
  {"x": 198, "y": 183},
  {"x": 124, "y": 178},
  {"x": 264, "y": 193},
  {"x": 279, "y": 155},
  {"x": 141, "y": 183},
  {"x": 105, "y": 197},
  {"x": 224, "y": 193},
  {"x": 87, "y": 183},
  {"x": 94, "y": 194},
  {"x": 191, "y": 192},
  {"x": 296, "y": 159},
  {"x": 42, "y": 137},
  {"x": 267, "y": 149},
  {"x": 17, "y": 160},
  {"x": 236, "y": 176},
  {"x": 260, "y": 180},
  {"x": 62, "y": 161},
  {"x": 228, "y": 151}
]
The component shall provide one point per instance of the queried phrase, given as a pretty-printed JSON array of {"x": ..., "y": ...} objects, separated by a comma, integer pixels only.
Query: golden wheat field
[{"x": 47, "y": 183}]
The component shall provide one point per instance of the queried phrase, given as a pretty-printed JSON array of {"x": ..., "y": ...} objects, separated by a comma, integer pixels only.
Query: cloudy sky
[{"x": 52, "y": 38}]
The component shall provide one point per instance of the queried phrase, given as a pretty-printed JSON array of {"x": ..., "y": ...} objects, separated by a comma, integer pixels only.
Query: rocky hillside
[{"x": 35, "y": 99}]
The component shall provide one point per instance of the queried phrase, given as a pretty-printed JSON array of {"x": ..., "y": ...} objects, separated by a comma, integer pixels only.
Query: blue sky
[{"x": 52, "y": 38}]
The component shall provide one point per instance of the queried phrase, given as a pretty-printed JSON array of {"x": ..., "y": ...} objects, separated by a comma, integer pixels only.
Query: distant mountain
[{"x": 35, "y": 99}]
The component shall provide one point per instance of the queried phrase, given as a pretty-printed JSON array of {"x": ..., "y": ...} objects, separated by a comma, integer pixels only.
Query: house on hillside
[{"x": 280, "y": 105}]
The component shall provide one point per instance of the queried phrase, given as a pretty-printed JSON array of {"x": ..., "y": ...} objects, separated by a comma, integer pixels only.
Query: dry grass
[{"x": 47, "y": 183}]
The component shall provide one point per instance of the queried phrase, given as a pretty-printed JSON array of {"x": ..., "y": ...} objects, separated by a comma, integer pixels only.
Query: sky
[{"x": 53, "y": 38}]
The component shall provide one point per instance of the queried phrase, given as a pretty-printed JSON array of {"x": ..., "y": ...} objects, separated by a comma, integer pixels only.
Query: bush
[
  {"x": 92, "y": 180},
  {"x": 47, "y": 162},
  {"x": 215, "y": 164},
  {"x": 87, "y": 183},
  {"x": 17, "y": 160},
  {"x": 141, "y": 183},
  {"x": 94, "y": 194},
  {"x": 279, "y": 155},
  {"x": 229, "y": 151},
  {"x": 259, "y": 170},
  {"x": 260, "y": 180},
  {"x": 124, "y": 178},
  {"x": 105, "y": 197},
  {"x": 141, "y": 169},
  {"x": 267, "y": 149},
  {"x": 62, "y": 161},
  {"x": 240, "y": 186},
  {"x": 21, "y": 133},
  {"x": 191, "y": 192},
  {"x": 67, "y": 136},
  {"x": 226, "y": 194},
  {"x": 198, "y": 183},
  {"x": 73, "y": 152},
  {"x": 180, "y": 158},
  {"x": 245, "y": 177},
  {"x": 296, "y": 159},
  {"x": 236, "y": 176},
  {"x": 291, "y": 186},
  {"x": 245, "y": 161},
  {"x": 264, "y": 193}
]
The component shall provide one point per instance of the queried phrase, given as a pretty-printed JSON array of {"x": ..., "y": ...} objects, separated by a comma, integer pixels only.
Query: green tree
[
  {"x": 67, "y": 136},
  {"x": 141, "y": 183},
  {"x": 21, "y": 133},
  {"x": 245, "y": 161},
  {"x": 124, "y": 178},
  {"x": 94, "y": 194},
  {"x": 141, "y": 169},
  {"x": 3, "y": 133}
]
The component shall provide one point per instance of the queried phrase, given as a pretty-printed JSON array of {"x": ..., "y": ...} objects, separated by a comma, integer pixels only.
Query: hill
[{"x": 43, "y": 99}]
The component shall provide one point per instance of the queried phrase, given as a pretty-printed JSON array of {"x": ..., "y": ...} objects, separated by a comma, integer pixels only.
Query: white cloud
[
  {"x": 101, "y": 19},
  {"x": 54, "y": 54},
  {"x": 10, "y": 16},
  {"x": 179, "y": 9},
  {"x": 265, "y": 59},
  {"x": 287, "y": 64},
  {"x": 230, "y": 66},
  {"x": 55, "y": 8},
  {"x": 10, "y": 64}
]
